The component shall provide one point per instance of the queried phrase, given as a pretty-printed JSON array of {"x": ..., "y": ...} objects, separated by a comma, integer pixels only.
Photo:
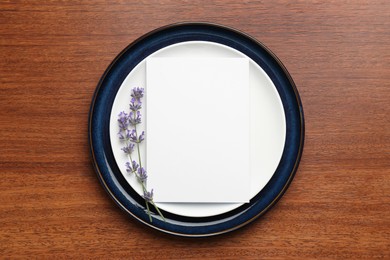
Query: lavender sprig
[
  {"x": 128, "y": 149},
  {"x": 135, "y": 104},
  {"x": 142, "y": 175},
  {"x": 135, "y": 118},
  {"x": 131, "y": 139}
]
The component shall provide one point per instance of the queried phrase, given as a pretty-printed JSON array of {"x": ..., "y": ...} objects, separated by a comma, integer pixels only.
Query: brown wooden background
[{"x": 52, "y": 54}]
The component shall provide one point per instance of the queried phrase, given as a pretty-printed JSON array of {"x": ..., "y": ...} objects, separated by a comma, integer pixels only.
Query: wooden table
[{"x": 52, "y": 56}]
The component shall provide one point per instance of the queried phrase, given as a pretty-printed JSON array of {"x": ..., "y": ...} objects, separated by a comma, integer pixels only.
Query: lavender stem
[{"x": 131, "y": 138}]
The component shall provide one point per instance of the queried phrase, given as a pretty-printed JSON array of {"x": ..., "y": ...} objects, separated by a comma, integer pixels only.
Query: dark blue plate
[{"x": 99, "y": 118}]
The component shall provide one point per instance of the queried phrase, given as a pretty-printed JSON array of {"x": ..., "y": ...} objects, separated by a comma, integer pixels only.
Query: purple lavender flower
[
  {"x": 128, "y": 168},
  {"x": 134, "y": 120},
  {"x": 128, "y": 149},
  {"x": 142, "y": 174},
  {"x": 148, "y": 196},
  {"x": 123, "y": 120},
  {"x": 134, "y": 165},
  {"x": 141, "y": 137},
  {"x": 135, "y": 104},
  {"x": 133, "y": 136},
  {"x": 121, "y": 137},
  {"x": 137, "y": 93},
  {"x": 128, "y": 134}
]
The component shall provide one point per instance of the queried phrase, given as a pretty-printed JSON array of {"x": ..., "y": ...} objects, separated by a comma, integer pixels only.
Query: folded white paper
[{"x": 197, "y": 129}]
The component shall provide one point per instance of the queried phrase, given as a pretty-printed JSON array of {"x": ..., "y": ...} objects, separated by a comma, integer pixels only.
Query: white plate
[{"x": 267, "y": 124}]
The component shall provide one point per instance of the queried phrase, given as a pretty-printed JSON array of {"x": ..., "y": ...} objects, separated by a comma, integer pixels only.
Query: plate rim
[{"x": 215, "y": 26}]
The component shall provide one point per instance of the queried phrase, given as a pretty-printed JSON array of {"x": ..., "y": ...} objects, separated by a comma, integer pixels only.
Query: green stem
[
  {"x": 147, "y": 206},
  {"x": 159, "y": 212},
  {"x": 139, "y": 179},
  {"x": 138, "y": 150},
  {"x": 146, "y": 202}
]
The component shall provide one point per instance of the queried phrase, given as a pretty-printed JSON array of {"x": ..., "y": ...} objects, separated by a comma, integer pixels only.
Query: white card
[{"x": 197, "y": 129}]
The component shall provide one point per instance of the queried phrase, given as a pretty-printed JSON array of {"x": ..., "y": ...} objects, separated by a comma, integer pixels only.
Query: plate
[
  {"x": 266, "y": 116},
  {"x": 277, "y": 127}
]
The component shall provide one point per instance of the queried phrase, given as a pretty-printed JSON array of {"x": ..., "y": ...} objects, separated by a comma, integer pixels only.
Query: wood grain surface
[{"x": 52, "y": 54}]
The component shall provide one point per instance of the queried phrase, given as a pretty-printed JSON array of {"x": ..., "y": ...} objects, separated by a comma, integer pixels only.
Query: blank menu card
[{"x": 197, "y": 129}]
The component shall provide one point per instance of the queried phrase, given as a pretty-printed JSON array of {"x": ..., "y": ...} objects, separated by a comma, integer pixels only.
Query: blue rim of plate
[{"x": 99, "y": 118}]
